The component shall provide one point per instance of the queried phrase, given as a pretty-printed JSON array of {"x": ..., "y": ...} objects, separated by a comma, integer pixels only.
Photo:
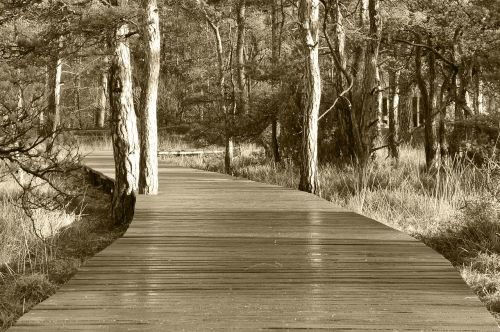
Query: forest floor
[
  {"x": 454, "y": 210},
  {"x": 37, "y": 256}
]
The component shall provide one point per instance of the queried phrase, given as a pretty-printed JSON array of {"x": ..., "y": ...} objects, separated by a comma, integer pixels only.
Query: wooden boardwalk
[{"x": 212, "y": 252}]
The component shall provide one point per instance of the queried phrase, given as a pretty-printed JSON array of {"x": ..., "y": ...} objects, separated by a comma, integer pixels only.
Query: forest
[{"x": 389, "y": 108}]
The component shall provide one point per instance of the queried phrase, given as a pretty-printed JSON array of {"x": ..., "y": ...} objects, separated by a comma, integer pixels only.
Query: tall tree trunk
[
  {"x": 370, "y": 108},
  {"x": 53, "y": 120},
  {"x": 393, "y": 113},
  {"x": 442, "y": 109},
  {"x": 148, "y": 175},
  {"x": 242, "y": 100},
  {"x": 228, "y": 135},
  {"x": 405, "y": 112},
  {"x": 124, "y": 128},
  {"x": 309, "y": 21},
  {"x": 100, "y": 116},
  {"x": 275, "y": 50},
  {"x": 428, "y": 100},
  {"x": 345, "y": 132}
]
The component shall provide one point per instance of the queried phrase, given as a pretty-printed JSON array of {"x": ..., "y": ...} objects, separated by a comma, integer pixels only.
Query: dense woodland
[
  {"x": 333, "y": 80},
  {"x": 312, "y": 82}
]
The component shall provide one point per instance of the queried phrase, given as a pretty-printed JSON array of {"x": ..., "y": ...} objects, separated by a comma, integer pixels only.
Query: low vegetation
[
  {"x": 41, "y": 253},
  {"x": 455, "y": 211}
]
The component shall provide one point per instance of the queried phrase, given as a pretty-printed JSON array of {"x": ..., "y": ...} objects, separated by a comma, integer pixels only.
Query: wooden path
[{"x": 213, "y": 253}]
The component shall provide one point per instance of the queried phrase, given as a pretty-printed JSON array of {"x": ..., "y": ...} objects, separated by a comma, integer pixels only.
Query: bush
[{"x": 32, "y": 288}]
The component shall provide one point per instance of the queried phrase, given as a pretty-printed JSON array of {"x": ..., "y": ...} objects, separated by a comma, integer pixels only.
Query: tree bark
[
  {"x": 405, "y": 118},
  {"x": 242, "y": 100},
  {"x": 100, "y": 116},
  {"x": 393, "y": 113},
  {"x": 275, "y": 50},
  {"x": 228, "y": 136},
  {"x": 148, "y": 175},
  {"x": 309, "y": 21},
  {"x": 428, "y": 101},
  {"x": 124, "y": 128},
  {"x": 53, "y": 120},
  {"x": 371, "y": 110}
]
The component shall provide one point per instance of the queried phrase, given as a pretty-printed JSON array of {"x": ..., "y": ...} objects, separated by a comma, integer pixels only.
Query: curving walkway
[{"x": 212, "y": 252}]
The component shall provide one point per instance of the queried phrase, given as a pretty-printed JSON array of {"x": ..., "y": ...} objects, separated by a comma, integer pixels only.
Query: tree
[
  {"x": 148, "y": 176},
  {"x": 309, "y": 24},
  {"x": 100, "y": 116},
  {"x": 123, "y": 126}
]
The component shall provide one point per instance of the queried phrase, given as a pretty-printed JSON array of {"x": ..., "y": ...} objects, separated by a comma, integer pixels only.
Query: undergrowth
[{"x": 38, "y": 255}]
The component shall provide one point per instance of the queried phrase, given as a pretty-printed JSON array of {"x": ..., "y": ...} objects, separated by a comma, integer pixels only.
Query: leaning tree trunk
[
  {"x": 124, "y": 129},
  {"x": 308, "y": 18},
  {"x": 100, "y": 115},
  {"x": 148, "y": 175}
]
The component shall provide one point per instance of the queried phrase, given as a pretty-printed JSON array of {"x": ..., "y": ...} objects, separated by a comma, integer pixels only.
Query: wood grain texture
[{"x": 212, "y": 252}]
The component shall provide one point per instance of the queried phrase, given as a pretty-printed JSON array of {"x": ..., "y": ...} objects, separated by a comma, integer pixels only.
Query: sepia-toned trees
[{"x": 236, "y": 71}]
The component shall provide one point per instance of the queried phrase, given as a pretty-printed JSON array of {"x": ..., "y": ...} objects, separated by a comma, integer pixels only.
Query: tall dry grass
[
  {"x": 454, "y": 210},
  {"x": 40, "y": 253}
]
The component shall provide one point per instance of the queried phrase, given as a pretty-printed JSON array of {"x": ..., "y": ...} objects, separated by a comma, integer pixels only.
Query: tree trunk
[
  {"x": 405, "y": 112},
  {"x": 242, "y": 100},
  {"x": 228, "y": 136},
  {"x": 343, "y": 115},
  {"x": 148, "y": 175},
  {"x": 393, "y": 113},
  {"x": 442, "y": 130},
  {"x": 308, "y": 19},
  {"x": 53, "y": 120},
  {"x": 124, "y": 128},
  {"x": 276, "y": 42},
  {"x": 428, "y": 99},
  {"x": 371, "y": 110},
  {"x": 100, "y": 116},
  {"x": 478, "y": 91}
]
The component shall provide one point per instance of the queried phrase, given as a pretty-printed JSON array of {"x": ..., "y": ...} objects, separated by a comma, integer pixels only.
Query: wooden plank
[{"x": 212, "y": 252}]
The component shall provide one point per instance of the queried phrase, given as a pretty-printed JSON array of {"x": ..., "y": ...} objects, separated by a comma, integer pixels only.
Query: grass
[
  {"x": 37, "y": 256},
  {"x": 452, "y": 210}
]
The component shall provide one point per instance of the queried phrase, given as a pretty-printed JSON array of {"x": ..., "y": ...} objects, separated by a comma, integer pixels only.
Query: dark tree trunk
[
  {"x": 405, "y": 113},
  {"x": 428, "y": 100}
]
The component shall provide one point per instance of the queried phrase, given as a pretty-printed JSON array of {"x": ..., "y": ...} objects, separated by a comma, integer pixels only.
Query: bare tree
[
  {"x": 148, "y": 176},
  {"x": 309, "y": 23}
]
